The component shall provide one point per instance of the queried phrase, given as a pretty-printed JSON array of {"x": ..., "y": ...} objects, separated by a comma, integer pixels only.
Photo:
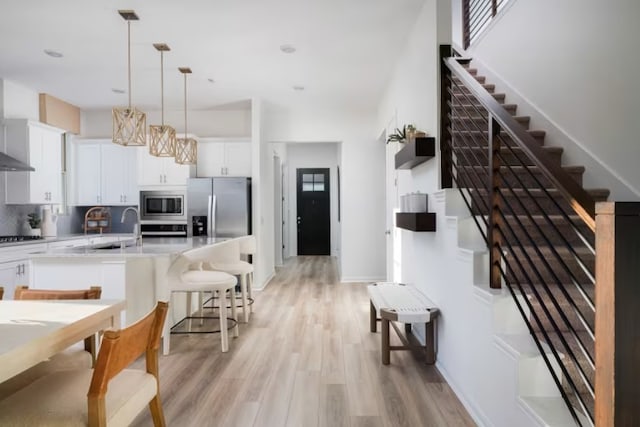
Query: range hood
[{"x": 9, "y": 164}]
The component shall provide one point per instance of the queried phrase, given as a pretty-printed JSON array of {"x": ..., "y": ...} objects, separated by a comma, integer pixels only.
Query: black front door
[{"x": 314, "y": 226}]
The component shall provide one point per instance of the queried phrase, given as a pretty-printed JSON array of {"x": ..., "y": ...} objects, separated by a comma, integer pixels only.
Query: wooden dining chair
[
  {"x": 107, "y": 395},
  {"x": 1, "y": 292},
  {"x": 72, "y": 358}
]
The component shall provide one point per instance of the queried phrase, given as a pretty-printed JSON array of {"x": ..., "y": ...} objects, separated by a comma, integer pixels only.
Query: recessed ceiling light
[
  {"x": 287, "y": 48},
  {"x": 53, "y": 53},
  {"x": 211, "y": 80},
  {"x": 118, "y": 91},
  {"x": 298, "y": 88}
]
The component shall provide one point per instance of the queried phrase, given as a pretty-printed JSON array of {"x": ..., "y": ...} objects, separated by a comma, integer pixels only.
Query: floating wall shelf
[
  {"x": 416, "y": 221},
  {"x": 416, "y": 151}
]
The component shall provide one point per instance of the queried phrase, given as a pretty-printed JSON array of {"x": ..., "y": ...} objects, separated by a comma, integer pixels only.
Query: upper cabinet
[
  {"x": 216, "y": 158},
  {"x": 161, "y": 171},
  {"x": 40, "y": 146},
  {"x": 103, "y": 173}
]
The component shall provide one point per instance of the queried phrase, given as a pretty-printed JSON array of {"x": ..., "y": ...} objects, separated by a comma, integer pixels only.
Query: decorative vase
[{"x": 36, "y": 232}]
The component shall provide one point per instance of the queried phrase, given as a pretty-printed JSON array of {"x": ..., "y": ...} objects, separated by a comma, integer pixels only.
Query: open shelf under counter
[
  {"x": 416, "y": 221},
  {"x": 415, "y": 152}
]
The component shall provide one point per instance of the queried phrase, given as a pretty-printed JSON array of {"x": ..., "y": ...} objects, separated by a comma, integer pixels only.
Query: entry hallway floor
[{"x": 306, "y": 358}]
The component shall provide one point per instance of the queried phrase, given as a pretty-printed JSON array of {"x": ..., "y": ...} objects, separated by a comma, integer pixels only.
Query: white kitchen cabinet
[
  {"x": 104, "y": 173},
  {"x": 160, "y": 171},
  {"x": 118, "y": 175},
  {"x": 15, "y": 266},
  {"x": 224, "y": 158},
  {"x": 40, "y": 146}
]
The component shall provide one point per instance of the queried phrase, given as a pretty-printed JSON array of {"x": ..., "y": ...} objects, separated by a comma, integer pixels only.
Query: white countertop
[{"x": 150, "y": 247}]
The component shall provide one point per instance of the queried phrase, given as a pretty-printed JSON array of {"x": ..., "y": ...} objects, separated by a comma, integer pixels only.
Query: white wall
[
  {"x": 574, "y": 64},
  {"x": 312, "y": 155},
  {"x": 362, "y": 179},
  {"x": 19, "y": 102},
  {"x": 223, "y": 123}
]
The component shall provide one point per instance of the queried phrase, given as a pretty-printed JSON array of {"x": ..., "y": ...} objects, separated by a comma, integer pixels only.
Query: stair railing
[
  {"x": 476, "y": 16},
  {"x": 537, "y": 222}
]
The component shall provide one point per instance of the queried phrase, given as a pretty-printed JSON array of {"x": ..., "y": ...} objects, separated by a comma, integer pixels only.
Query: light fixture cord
[
  {"x": 129, "y": 58},
  {"x": 185, "y": 107},
  {"x": 162, "y": 84}
]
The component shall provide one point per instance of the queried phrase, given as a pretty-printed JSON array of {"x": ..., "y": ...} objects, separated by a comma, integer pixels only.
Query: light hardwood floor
[{"x": 306, "y": 358}]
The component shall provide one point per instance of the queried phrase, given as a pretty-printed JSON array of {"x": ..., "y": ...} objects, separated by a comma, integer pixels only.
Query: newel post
[
  {"x": 617, "y": 389},
  {"x": 495, "y": 205},
  {"x": 446, "y": 157}
]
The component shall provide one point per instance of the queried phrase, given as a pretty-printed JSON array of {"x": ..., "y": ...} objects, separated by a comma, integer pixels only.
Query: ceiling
[{"x": 345, "y": 50}]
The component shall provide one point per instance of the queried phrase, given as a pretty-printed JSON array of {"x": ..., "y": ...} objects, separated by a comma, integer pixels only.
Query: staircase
[{"x": 547, "y": 250}]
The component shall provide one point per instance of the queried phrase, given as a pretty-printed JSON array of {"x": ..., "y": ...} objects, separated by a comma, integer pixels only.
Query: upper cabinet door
[
  {"x": 87, "y": 174},
  {"x": 114, "y": 172},
  {"x": 150, "y": 168},
  {"x": 40, "y": 146},
  {"x": 52, "y": 170},
  {"x": 210, "y": 159},
  {"x": 175, "y": 174},
  {"x": 224, "y": 158},
  {"x": 238, "y": 158}
]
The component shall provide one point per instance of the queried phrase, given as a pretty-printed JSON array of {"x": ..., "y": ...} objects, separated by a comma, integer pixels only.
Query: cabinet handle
[
  {"x": 18, "y": 270},
  {"x": 124, "y": 198},
  {"x": 165, "y": 179},
  {"x": 121, "y": 198}
]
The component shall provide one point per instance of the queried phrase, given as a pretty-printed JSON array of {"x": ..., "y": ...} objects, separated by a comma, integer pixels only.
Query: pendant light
[
  {"x": 162, "y": 138},
  {"x": 186, "y": 148},
  {"x": 129, "y": 124}
]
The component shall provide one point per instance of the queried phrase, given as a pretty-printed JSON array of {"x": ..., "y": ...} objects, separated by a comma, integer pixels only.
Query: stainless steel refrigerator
[{"x": 219, "y": 207}]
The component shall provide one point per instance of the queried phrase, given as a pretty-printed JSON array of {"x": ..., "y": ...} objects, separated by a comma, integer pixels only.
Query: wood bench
[{"x": 396, "y": 302}]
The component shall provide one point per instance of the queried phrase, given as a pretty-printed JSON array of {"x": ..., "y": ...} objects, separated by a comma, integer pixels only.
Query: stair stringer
[{"x": 485, "y": 351}]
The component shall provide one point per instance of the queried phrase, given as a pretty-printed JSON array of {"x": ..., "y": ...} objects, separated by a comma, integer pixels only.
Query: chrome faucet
[{"x": 136, "y": 227}]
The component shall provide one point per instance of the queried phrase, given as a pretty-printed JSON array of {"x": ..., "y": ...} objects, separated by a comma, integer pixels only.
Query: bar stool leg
[
  {"x": 224, "y": 335},
  {"x": 200, "y": 308},
  {"x": 234, "y": 312},
  {"x": 188, "y": 313},
  {"x": 249, "y": 286},
  {"x": 243, "y": 293}
]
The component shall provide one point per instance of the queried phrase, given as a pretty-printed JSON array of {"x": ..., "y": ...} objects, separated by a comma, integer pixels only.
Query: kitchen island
[{"x": 136, "y": 274}]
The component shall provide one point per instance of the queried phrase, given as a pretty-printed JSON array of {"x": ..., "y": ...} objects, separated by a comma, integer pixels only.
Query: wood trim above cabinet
[{"x": 60, "y": 114}]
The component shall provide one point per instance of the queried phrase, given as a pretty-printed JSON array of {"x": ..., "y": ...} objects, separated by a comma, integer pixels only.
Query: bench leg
[
  {"x": 430, "y": 348},
  {"x": 373, "y": 318},
  {"x": 386, "y": 350}
]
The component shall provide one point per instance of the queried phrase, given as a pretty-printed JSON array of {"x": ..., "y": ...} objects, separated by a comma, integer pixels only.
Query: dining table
[{"x": 32, "y": 331}]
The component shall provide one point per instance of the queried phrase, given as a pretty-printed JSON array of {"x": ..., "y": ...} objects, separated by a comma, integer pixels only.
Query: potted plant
[
  {"x": 399, "y": 135},
  {"x": 34, "y": 223},
  {"x": 407, "y": 133}
]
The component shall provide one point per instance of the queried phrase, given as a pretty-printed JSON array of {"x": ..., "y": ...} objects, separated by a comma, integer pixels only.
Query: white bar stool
[
  {"x": 186, "y": 275},
  {"x": 230, "y": 262}
]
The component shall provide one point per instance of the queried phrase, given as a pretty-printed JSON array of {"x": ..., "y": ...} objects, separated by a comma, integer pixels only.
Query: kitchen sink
[{"x": 114, "y": 245}]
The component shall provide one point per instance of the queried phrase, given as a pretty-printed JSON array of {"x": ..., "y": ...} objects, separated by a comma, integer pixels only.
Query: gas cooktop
[{"x": 9, "y": 239}]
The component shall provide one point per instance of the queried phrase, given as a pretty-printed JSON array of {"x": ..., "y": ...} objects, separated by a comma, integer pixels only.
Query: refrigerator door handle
[
  {"x": 213, "y": 217},
  {"x": 209, "y": 215}
]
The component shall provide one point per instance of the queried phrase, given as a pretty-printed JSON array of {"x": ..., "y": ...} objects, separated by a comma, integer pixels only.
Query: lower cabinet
[
  {"x": 12, "y": 274},
  {"x": 130, "y": 279}
]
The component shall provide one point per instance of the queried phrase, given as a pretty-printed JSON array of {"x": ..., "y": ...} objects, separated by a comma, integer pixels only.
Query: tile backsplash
[{"x": 13, "y": 216}]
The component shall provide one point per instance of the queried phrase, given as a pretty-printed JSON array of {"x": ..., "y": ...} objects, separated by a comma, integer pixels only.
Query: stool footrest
[{"x": 232, "y": 323}]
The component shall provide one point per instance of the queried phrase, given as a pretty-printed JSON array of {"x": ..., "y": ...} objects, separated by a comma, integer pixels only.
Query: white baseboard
[
  {"x": 360, "y": 279},
  {"x": 476, "y": 413},
  {"x": 265, "y": 283}
]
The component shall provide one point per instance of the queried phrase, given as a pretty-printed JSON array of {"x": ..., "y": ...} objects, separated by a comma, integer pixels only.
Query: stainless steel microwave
[{"x": 163, "y": 206}]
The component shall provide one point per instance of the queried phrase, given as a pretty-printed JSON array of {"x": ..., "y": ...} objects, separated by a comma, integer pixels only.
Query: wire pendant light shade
[
  {"x": 162, "y": 138},
  {"x": 186, "y": 148},
  {"x": 129, "y": 124}
]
